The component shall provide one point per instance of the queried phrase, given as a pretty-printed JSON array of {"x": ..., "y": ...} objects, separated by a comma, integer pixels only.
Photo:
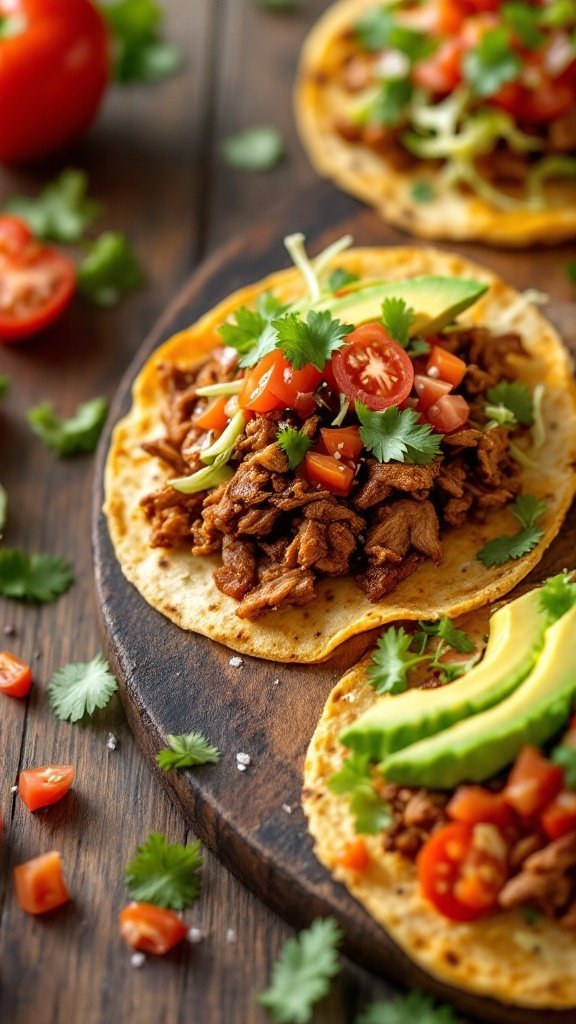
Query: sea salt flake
[
  {"x": 195, "y": 935},
  {"x": 276, "y": 682},
  {"x": 241, "y": 767},
  {"x": 287, "y": 808},
  {"x": 243, "y": 758},
  {"x": 137, "y": 959},
  {"x": 236, "y": 662},
  {"x": 231, "y": 935},
  {"x": 111, "y": 741},
  {"x": 13, "y": 789}
]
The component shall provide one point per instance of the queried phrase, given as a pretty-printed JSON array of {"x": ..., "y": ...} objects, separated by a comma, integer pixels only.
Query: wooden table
[{"x": 153, "y": 158}]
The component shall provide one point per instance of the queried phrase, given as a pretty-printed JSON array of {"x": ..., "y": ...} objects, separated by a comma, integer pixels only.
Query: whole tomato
[{"x": 54, "y": 67}]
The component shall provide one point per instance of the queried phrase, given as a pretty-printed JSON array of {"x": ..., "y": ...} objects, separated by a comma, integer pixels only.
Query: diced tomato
[
  {"x": 559, "y": 817},
  {"x": 331, "y": 473},
  {"x": 429, "y": 390},
  {"x": 150, "y": 928},
  {"x": 15, "y": 675},
  {"x": 39, "y": 884},
  {"x": 291, "y": 383},
  {"x": 476, "y": 25},
  {"x": 40, "y": 787},
  {"x": 257, "y": 393},
  {"x": 440, "y": 72},
  {"x": 473, "y": 805},
  {"x": 462, "y": 868},
  {"x": 373, "y": 369},
  {"x": 449, "y": 413},
  {"x": 449, "y": 16},
  {"x": 304, "y": 404},
  {"x": 533, "y": 782},
  {"x": 345, "y": 441},
  {"x": 354, "y": 855},
  {"x": 443, "y": 365},
  {"x": 545, "y": 100},
  {"x": 214, "y": 416}
]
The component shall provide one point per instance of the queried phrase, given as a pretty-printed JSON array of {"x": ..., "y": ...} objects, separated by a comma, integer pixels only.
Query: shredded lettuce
[
  {"x": 221, "y": 451},
  {"x": 549, "y": 167},
  {"x": 203, "y": 479}
]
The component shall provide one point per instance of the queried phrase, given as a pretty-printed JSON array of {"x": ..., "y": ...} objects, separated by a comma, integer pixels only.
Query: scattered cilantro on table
[
  {"x": 259, "y": 148},
  {"x": 397, "y": 318},
  {"x": 313, "y": 340},
  {"x": 61, "y": 212},
  {"x": 370, "y": 812},
  {"x": 293, "y": 443},
  {"x": 163, "y": 873},
  {"x": 340, "y": 277},
  {"x": 492, "y": 63},
  {"x": 67, "y": 437},
  {"x": 557, "y": 596},
  {"x": 78, "y": 689},
  {"x": 35, "y": 577},
  {"x": 4, "y": 385},
  {"x": 110, "y": 269},
  {"x": 413, "y": 1008},
  {"x": 527, "y": 509},
  {"x": 571, "y": 271},
  {"x": 514, "y": 396},
  {"x": 397, "y": 436},
  {"x": 140, "y": 52},
  {"x": 392, "y": 661},
  {"x": 565, "y": 756},
  {"x": 301, "y": 976},
  {"x": 187, "y": 750}
]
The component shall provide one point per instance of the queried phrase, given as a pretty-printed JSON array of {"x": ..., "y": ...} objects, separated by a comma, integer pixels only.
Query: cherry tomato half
[
  {"x": 462, "y": 868},
  {"x": 214, "y": 416},
  {"x": 15, "y": 675},
  {"x": 257, "y": 394},
  {"x": 429, "y": 390},
  {"x": 373, "y": 369},
  {"x": 54, "y": 67},
  {"x": 150, "y": 928},
  {"x": 40, "y": 787},
  {"x": 533, "y": 782},
  {"x": 39, "y": 884},
  {"x": 36, "y": 282}
]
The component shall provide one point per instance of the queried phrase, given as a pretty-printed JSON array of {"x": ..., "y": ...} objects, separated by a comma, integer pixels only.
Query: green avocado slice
[
  {"x": 479, "y": 747},
  {"x": 516, "y": 635},
  {"x": 436, "y": 301}
]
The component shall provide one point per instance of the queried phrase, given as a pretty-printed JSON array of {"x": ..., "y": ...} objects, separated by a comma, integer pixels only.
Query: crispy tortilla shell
[
  {"x": 181, "y": 586},
  {"x": 452, "y": 213}
]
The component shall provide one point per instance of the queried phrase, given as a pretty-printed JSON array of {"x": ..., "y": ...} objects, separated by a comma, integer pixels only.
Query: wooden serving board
[{"x": 175, "y": 682}]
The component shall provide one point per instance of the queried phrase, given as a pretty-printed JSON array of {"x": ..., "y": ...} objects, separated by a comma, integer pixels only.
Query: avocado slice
[
  {"x": 516, "y": 635},
  {"x": 479, "y": 747},
  {"x": 436, "y": 301}
]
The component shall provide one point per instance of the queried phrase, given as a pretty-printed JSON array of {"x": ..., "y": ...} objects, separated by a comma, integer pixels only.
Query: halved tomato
[
  {"x": 474, "y": 804},
  {"x": 448, "y": 414},
  {"x": 342, "y": 441},
  {"x": 214, "y": 416},
  {"x": 373, "y": 369},
  {"x": 40, "y": 787},
  {"x": 39, "y": 884},
  {"x": 559, "y": 817},
  {"x": 15, "y": 675},
  {"x": 533, "y": 782},
  {"x": 257, "y": 393},
  {"x": 151, "y": 929},
  {"x": 329, "y": 472},
  {"x": 443, "y": 365},
  {"x": 462, "y": 868}
]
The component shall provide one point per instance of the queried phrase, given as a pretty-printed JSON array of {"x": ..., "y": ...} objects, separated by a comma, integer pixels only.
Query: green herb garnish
[
  {"x": 260, "y": 148},
  {"x": 340, "y": 277},
  {"x": 397, "y": 436},
  {"x": 311, "y": 341},
  {"x": 371, "y": 814},
  {"x": 515, "y": 397},
  {"x": 413, "y": 1008},
  {"x": 62, "y": 212},
  {"x": 140, "y": 53},
  {"x": 397, "y": 318},
  {"x": 185, "y": 751},
  {"x": 492, "y": 63},
  {"x": 557, "y": 596},
  {"x": 422, "y": 192},
  {"x": 110, "y": 270},
  {"x": 302, "y": 974},
  {"x": 67, "y": 437},
  {"x": 293, "y": 443},
  {"x": 37, "y": 577},
  {"x": 165, "y": 873},
  {"x": 77, "y": 690},
  {"x": 527, "y": 509},
  {"x": 392, "y": 661}
]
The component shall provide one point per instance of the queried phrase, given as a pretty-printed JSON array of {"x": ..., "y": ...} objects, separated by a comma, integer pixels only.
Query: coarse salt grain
[
  {"x": 231, "y": 935},
  {"x": 243, "y": 758},
  {"x": 276, "y": 682},
  {"x": 111, "y": 741},
  {"x": 287, "y": 808},
  {"x": 241, "y": 767},
  {"x": 137, "y": 959},
  {"x": 236, "y": 662},
  {"x": 195, "y": 935},
  {"x": 13, "y": 789}
]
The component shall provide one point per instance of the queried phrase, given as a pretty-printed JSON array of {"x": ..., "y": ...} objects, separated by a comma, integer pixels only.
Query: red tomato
[
  {"x": 354, "y": 855},
  {"x": 449, "y": 413},
  {"x": 40, "y": 787},
  {"x": 36, "y": 281},
  {"x": 15, "y": 675},
  {"x": 150, "y": 928},
  {"x": 443, "y": 365},
  {"x": 429, "y": 390},
  {"x": 214, "y": 416},
  {"x": 256, "y": 393},
  {"x": 344, "y": 441},
  {"x": 53, "y": 73},
  {"x": 462, "y": 868},
  {"x": 533, "y": 782},
  {"x": 39, "y": 884},
  {"x": 440, "y": 73},
  {"x": 559, "y": 817},
  {"x": 474, "y": 804},
  {"x": 294, "y": 383},
  {"x": 331, "y": 473},
  {"x": 547, "y": 99},
  {"x": 373, "y": 369}
]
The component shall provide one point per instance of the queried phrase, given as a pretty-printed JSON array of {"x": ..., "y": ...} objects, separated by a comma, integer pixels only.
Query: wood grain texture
[{"x": 175, "y": 682}]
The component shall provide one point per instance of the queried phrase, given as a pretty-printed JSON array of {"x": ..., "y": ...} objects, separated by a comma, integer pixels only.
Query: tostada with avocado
[
  {"x": 374, "y": 434},
  {"x": 454, "y": 118},
  {"x": 446, "y": 803}
]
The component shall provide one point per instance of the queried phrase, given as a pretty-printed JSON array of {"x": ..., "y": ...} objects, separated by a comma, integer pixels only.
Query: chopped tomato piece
[
  {"x": 39, "y": 884},
  {"x": 546, "y": 99},
  {"x": 462, "y": 868},
  {"x": 15, "y": 675},
  {"x": 344, "y": 441},
  {"x": 429, "y": 391},
  {"x": 304, "y": 404},
  {"x": 291, "y": 383},
  {"x": 440, "y": 73},
  {"x": 40, "y": 787},
  {"x": 373, "y": 369},
  {"x": 559, "y": 817},
  {"x": 257, "y": 393},
  {"x": 449, "y": 413},
  {"x": 474, "y": 804},
  {"x": 533, "y": 782},
  {"x": 150, "y": 928},
  {"x": 331, "y": 473},
  {"x": 214, "y": 416},
  {"x": 443, "y": 365},
  {"x": 354, "y": 855}
]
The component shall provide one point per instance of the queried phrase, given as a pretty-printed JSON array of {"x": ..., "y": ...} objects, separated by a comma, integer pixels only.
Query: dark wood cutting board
[{"x": 175, "y": 682}]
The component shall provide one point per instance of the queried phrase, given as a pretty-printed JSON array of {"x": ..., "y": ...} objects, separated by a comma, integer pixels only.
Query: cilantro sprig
[
  {"x": 340, "y": 278},
  {"x": 370, "y": 812},
  {"x": 36, "y": 577},
  {"x": 293, "y": 443},
  {"x": 302, "y": 974},
  {"x": 163, "y": 873},
  {"x": 413, "y": 1008},
  {"x": 557, "y": 596},
  {"x": 390, "y": 102},
  {"x": 79, "y": 689},
  {"x": 515, "y": 397},
  {"x": 259, "y": 148},
  {"x": 565, "y": 756},
  {"x": 525, "y": 20},
  {"x": 187, "y": 750},
  {"x": 492, "y": 63},
  {"x": 79, "y": 433},
  {"x": 397, "y": 318},
  {"x": 110, "y": 270},
  {"x": 379, "y": 30},
  {"x": 392, "y": 661},
  {"x": 397, "y": 436},
  {"x": 62, "y": 211},
  {"x": 312, "y": 341},
  {"x": 527, "y": 509},
  {"x": 140, "y": 52}
]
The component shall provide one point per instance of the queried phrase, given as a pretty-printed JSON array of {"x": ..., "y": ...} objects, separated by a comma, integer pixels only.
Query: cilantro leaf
[
  {"x": 371, "y": 813},
  {"x": 565, "y": 756},
  {"x": 413, "y": 1008},
  {"x": 492, "y": 63},
  {"x": 33, "y": 577},
  {"x": 187, "y": 750},
  {"x": 3, "y": 508},
  {"x": 165, "y": 873},
  {"x": 260, "y": 148},
  {"x": 397, "y": 318},
  {"x": 269, "y": 305},
  {"x": 397, "y": 436},
  {"x": 110, "y": 269},
  {"x": 418, "y": 347},
  {"x": 559, "y": 14},
  {"x": 422, "y": 192},
  {"x": 353, "y": 775},
  {"x": 571, "y": 271},
  {"x": 140, "y": 53},
  {"x": 340, "y": 277},
  {"x": 4, "y": 385},
  {"x": 301, "y": 976},
  {"x": 62, "y": 212},
  {"x": 67, "y": 437},
  {"x": 77, "y": 690},
  {"x": 244, "y": 333},
  {"x": 527, "y": 510},
  {"x": 389, "y": 104},
  {"x": 524, "y": 19},
  {"x": 373, "y": 30},
  {"x": 392, "y": 661},
  {"x": 557, "y": 596},
  {"x": 293, "y": 443},
  {"x": 379, "y": 30},
  {"x": 311, "y": 341},
  {"x": 447, "y": 632},
  {"x": 516, "y": 397}
]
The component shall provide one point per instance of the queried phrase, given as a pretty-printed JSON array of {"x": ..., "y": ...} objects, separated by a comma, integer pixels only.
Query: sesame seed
[
  {"x": 111, "y": 741},
  {"x": 243, "y": 758},
  {"x": 337, "y": 455},
  {"x": 137, "y": 959},
  {"x": 195, "y": 935},
  {"x": 236, "y": 662},
  {"x": 231, "y": 935}
]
